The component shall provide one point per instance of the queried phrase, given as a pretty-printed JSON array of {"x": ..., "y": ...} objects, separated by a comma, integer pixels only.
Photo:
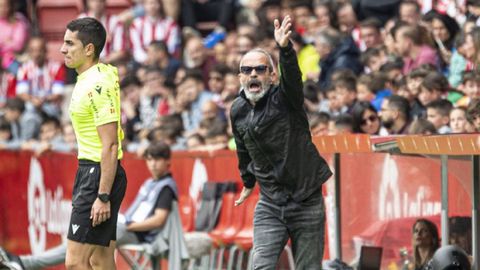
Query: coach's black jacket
[{"x": 273, "y": 139}]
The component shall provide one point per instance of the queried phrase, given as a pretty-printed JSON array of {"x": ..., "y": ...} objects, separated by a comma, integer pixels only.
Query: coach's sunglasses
[{"x": 247, "y": 70}]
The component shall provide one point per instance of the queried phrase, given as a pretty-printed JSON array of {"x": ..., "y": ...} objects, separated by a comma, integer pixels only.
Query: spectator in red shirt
[
  {"x": 41, "y": 80},
  {"x": 154, "y": 25},
  {"x": 115, "y": 45}
]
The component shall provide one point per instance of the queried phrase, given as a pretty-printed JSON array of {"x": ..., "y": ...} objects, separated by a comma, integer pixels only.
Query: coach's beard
[{"x": 255, "y": 89}]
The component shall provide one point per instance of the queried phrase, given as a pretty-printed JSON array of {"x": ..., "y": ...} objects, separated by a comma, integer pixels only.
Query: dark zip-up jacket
[{"x": 274, "y": 145}]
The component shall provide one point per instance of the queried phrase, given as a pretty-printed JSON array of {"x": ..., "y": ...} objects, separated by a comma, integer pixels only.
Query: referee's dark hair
[
  {"x": 158, "y": 150},
  {"x": 89, "y": 30}
]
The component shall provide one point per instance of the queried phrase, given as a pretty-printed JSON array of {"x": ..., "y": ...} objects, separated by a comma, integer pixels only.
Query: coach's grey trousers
[{"x": 303, "y": 223}]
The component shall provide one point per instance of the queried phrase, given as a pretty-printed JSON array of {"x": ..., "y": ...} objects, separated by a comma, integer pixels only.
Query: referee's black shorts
[{"x": 85, "y": 192}]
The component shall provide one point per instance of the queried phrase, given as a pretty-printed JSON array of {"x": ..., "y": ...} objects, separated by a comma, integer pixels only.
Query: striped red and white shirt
[
  {"x": 41, "y": 81},
  {"x": 146, "y": 29},
  {"x": 116, "y": 38},
  {"x": 7, "y": 86}
]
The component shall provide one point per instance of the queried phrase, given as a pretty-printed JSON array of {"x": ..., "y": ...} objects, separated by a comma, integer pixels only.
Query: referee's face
[{"x": 76, "y": 55}]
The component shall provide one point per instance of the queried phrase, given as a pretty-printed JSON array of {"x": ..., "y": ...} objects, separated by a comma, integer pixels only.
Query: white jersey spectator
[
  {"x": 116, "y": 43},
  {"x": 40, "y": 81},
  {"x": 7, "y": 86},
  {"x": 153, "y": 26}
]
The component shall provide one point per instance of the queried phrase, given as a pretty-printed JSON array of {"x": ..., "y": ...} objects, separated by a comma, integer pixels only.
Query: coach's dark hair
[
  {"x": 89, "y": 30},
  {"x": 158, "y": 150}
]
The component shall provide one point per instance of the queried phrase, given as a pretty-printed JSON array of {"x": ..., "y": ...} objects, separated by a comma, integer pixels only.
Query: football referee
[{"x": 100, "y": 181}]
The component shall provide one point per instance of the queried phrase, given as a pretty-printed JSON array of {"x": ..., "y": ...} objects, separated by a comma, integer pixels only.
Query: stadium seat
[
  {"x": 230, "y": 222},
  {"x": 187, "y": 210},
  {"x": 149, "y": 256},
  {"x": 54, "y": 15},
  {"x": 243, "y": 240}
]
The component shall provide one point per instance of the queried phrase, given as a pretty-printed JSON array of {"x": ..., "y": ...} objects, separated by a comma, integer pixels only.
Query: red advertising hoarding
[{"x": 380, "y": 195}]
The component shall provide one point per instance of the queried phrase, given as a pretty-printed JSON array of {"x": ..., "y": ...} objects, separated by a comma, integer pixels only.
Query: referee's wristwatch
[{"x": 104, "y": 197}]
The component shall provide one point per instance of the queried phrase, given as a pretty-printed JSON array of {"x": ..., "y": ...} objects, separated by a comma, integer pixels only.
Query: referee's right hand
[{"x": 100, "y": 212}]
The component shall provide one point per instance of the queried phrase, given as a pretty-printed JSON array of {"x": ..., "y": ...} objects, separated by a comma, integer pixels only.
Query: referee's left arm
[{"x": 108, "y": 165}]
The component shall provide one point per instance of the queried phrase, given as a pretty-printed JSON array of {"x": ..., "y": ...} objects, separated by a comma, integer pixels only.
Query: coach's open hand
[
  {"x": 243, "y": 195},
  {"x": 283, "y": 32}
]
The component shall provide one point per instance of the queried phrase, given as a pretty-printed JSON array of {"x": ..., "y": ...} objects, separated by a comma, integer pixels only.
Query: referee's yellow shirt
[{"x": 95, "y": 102}]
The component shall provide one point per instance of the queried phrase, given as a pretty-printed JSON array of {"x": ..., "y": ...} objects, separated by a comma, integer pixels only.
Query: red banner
[{"x": 378, "y": 191}]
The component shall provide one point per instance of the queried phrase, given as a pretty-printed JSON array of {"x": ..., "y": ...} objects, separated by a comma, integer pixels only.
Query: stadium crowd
[{"x": 374, "y": 67}]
